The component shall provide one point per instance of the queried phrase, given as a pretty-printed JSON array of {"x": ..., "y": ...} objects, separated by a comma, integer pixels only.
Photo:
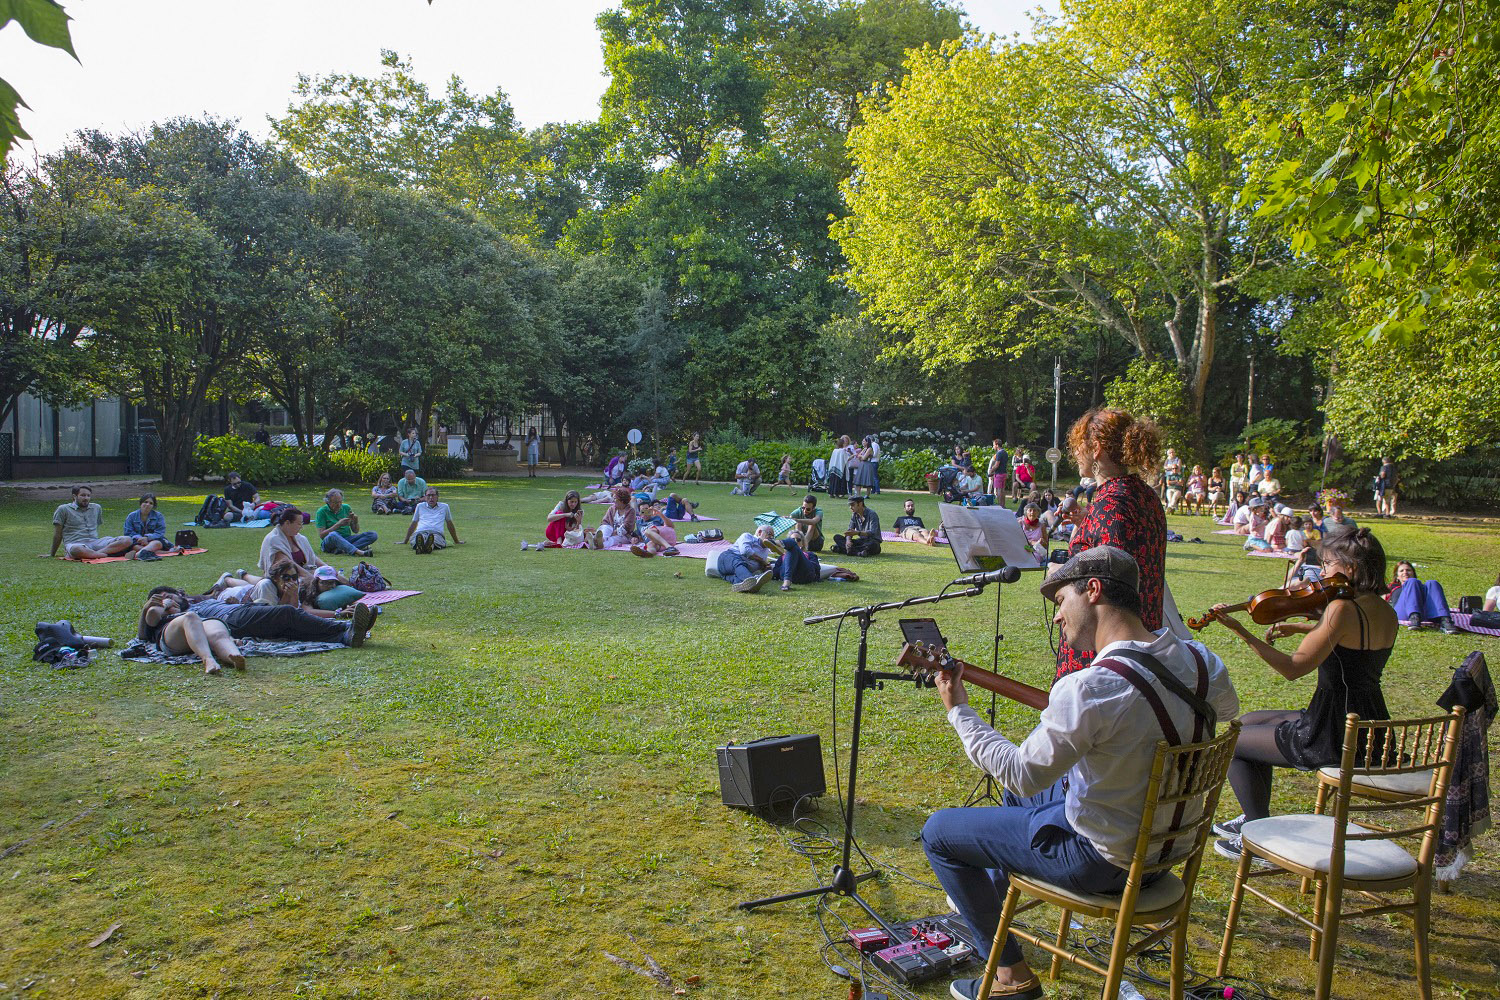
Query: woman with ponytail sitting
[{"x": 1112, "y": 447}]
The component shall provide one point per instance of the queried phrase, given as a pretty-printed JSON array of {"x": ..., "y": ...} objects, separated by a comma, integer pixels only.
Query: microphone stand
[
  {"x": 843, "y": 880},
  {"x": 987, "y": 789}
]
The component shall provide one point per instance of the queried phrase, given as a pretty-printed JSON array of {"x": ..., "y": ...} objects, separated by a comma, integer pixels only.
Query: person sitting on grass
[
  {"x": 1250, "y": 520},
  {"x": 384, "y": 498},
  {"x": 428, "y": 523},
  {"x": 285, "y": 586},
  {"x": 910, "y": 526},
  {"x": 1492, "y": 596},
  {"x": 564, "y": 525},
  {"x": 809, "y": 518},
  {"x": 75, "y": 528},
  {"x": 1232, "y": 511},
  {"x": 863, "y": 535},
  {"x": 1215, "y": 489},
  {"x": 411, "y": 489},
  {"x": 285, "y": 539},
  {"x": 618, "y": 525},
  {"x": 1419, "y": 602},
  {"x": 615, "y": 469},
  {"x": 338, "y": 526},
  {"x": 746, "y": 477},
  {"x": 1272, "y": 537},
  {"x": 797, "y": 565},
  {"x": 169, "y": 625},
  {"x": 242, "y": 497},
  {"x": 678, "y": 509},
  {"x": 746, "y": 564},
  {"x": 657, "y": 533},
  {"x": 147, "y": 529},
  {"x": 1197, "y": 490}
]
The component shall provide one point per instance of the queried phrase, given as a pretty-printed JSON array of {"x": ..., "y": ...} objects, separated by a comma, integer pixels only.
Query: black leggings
[{"x": 1254, "y": 756}]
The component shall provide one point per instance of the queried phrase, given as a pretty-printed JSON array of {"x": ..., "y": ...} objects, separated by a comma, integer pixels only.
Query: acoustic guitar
[{"x": 923, "y": 660}]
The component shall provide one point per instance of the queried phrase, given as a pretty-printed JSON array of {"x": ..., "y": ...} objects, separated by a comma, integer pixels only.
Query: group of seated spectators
[
  {"x": 636, "y": 519},
  {"x": 75, "y": 530}
]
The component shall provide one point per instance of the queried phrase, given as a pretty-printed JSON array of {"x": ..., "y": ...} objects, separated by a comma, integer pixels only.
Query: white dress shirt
[{"x": 1102, "y": 733}]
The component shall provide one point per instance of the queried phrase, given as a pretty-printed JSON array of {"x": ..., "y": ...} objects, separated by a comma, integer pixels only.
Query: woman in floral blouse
[{"x": 1113, "y": 447}]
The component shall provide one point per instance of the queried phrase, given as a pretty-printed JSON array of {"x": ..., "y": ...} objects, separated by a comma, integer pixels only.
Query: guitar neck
[{"x": 1005, "y": 687}]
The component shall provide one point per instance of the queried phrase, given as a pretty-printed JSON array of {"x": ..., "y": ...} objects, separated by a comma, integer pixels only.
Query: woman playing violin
[{"x": 1348, "y": 645}]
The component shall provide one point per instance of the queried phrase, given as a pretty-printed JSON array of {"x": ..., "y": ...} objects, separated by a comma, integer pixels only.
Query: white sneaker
[
  {"x": 524, "y": 546},
  {"x": 1230, "y": 827},
  {"x": 754, "y": 583}
]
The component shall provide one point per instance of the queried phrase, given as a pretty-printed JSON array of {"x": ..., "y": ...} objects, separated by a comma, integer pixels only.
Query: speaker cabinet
[{"x": 771, "y": 773}]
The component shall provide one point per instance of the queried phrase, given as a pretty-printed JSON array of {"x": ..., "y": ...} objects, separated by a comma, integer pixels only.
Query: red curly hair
[{"x": 1132, "y": 442}]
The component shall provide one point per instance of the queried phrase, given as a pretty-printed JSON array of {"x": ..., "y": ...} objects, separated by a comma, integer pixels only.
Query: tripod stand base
[{"x": 843, "y": 884}]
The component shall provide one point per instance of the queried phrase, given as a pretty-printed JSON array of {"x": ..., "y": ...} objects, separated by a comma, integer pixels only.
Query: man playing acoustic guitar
[{"x": 1076, "y": 785}]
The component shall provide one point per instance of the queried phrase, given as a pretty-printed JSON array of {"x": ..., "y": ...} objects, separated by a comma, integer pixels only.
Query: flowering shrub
[{"x": 272, "y": 465}]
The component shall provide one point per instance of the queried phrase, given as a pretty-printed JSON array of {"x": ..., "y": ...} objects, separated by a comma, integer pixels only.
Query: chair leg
[
  {"x": 1320, "y": 896},
  {"x": 1318, "y": 806},
  {"x": 1179, "y": 953},
  {"x": 1007, "y": 914},
  {"x": 1235, "y": 898},
  {"x": 1118, "y": 953},
  {"x": 1329, "y": 945},
  {"x": 1420, "y": 919},
  {"x": 1063, "y": 925}
]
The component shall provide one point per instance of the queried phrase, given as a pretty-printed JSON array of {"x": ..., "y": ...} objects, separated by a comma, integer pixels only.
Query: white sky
[{"x": 149, "y": 60}]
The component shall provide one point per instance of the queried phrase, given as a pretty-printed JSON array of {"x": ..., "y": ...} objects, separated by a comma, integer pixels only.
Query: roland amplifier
[{"x": 773, "y": 772}]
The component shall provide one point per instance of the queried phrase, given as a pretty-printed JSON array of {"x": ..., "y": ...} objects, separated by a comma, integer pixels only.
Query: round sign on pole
[
  {"x": 1054, "y": 456},
  {"x": 633, "y": 436}
]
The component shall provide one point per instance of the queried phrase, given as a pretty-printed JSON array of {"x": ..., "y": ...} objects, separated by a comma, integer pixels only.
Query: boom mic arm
[{"x": 1006, "y": 574}]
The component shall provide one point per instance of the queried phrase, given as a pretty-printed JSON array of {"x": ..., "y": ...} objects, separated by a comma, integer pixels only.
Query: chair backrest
[
  {"x": 1379, "y": 747},
  {"x": 1185, "y": 782}
]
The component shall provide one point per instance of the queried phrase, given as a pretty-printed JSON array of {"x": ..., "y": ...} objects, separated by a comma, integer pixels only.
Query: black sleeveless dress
[{"x": 1348, "y": 681}]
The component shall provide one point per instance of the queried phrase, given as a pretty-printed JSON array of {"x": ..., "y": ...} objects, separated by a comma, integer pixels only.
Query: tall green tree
[
  {"x": 1093, "y": 173},
  {"x": 392, "y": 130}
]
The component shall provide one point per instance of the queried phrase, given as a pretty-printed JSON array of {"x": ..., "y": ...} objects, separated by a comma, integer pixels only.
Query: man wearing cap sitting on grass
[
  {"x": 863, "y": 536},
  {"x": 1074, "y": 788}
]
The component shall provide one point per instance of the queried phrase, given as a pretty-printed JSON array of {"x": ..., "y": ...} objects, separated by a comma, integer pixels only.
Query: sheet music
[{"x": 986, "y": 538}]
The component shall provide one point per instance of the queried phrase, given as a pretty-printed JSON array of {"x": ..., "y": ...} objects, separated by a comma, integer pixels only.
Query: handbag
[
  {"x": 1469, "y": 605},
  {"x": 367, "y": 578},
  {"x": 186, "y": 538}
]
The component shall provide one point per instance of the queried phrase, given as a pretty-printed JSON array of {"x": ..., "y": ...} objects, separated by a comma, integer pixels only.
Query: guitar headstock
[{"x": 923, "y": 659}]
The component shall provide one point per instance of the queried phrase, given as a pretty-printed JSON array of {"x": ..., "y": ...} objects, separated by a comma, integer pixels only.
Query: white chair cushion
[
  {"x": 711, "y": 567},
  {"x": 1407, "y": 783},
  {"x": 1307, "y": 840},
  {"x": 1164, "y": 892}
]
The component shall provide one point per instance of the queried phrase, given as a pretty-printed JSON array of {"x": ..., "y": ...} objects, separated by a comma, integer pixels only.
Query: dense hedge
[
  {"x": 273, "y": 465},
  {"x": 907, "y": 471}
]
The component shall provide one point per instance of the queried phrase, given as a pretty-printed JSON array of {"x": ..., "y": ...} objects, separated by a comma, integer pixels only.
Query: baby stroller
[{"x": 818, "y": 481}]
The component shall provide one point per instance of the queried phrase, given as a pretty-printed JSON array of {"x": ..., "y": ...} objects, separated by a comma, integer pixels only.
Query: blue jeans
[
  {"x": 875, "y": 477},
  {"x": 1424, "y": 598},
  {"x": 796, "y": 566},
  {"x": 972, "y": 849},
  {"x": 339, "y": 545},
  {"x": 734, "y": 567}
]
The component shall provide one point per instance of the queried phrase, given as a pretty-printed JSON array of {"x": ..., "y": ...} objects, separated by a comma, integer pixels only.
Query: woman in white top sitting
[
  {"x": 1492, "y": 596},
  {"x": 285, "y": 538}
]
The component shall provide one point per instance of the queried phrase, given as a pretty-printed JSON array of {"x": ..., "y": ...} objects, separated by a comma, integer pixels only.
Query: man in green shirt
[
  {"x": 338, "y": 526},
  {"x": 809, "y": 518},
  {"x": 412, "y": 486}
]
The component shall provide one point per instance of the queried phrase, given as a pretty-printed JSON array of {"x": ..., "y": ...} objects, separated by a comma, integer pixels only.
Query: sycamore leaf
[
  {"x": 43, "y": 20},
  {"x": 10, "y": 119}
]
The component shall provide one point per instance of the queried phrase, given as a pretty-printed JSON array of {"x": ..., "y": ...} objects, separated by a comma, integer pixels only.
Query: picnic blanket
[
  {"x": 891, "y": 536},
  {"x": 1268, "y": 554},
  {"x": 1226, "y": 531},
  {"x": 386, "y": 596},
  {"x": 147, "y": 653},
  {"x": 162, "y": 555},
  {"x": 779, "y": 525},
  {"x": 702, "y": 550},
  {"x": 259, "y": 522},
  {"x": 1461, "y": 621}
]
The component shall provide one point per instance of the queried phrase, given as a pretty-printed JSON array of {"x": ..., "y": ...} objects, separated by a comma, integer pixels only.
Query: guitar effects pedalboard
[{"x": 932, "y": 948}]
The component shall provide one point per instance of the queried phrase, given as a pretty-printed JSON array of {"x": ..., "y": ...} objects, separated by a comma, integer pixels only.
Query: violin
[{"x": 1268, "y": 607}]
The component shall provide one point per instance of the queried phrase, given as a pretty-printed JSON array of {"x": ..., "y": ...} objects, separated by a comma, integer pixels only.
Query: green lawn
[{"x": 517, "y": 773}]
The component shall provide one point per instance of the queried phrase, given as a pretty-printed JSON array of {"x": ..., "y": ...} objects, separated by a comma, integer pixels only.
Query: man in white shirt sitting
[
  {"x": 1075, "y": 786},
  {"x": 429, "y": 522}
]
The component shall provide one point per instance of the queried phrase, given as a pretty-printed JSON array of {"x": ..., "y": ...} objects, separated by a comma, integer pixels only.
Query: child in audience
[
  {"x": 1197, "y": 489},
  {"x": 784, "y": 476}
]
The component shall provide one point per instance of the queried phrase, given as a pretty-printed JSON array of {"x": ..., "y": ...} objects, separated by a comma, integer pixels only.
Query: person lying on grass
[
  {"x": 679, "y": 509},
  {"x": 75, "y": 529},
  {"x": 428, "y": 523},
  {"x": 286, "y": 623},
  {"x": 797, "y": 565},
  {"x": 169, "y": 625},
  {"x": 746, "y": 565},
  {"x": 657, "y": 533}
]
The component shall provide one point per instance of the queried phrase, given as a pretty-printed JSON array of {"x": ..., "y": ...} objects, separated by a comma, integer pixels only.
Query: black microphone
[{"x": 1006, "y": 574}]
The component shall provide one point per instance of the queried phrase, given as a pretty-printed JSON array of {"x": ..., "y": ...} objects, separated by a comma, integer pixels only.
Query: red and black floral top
[{"x": 1127, "y": 514}]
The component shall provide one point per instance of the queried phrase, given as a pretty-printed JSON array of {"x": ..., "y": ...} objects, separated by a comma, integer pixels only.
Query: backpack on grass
[{"x": 213, "y": 510}]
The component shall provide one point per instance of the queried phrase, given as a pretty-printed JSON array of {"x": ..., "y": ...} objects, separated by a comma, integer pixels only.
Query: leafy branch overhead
[{"x": 46, "y": 23}]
